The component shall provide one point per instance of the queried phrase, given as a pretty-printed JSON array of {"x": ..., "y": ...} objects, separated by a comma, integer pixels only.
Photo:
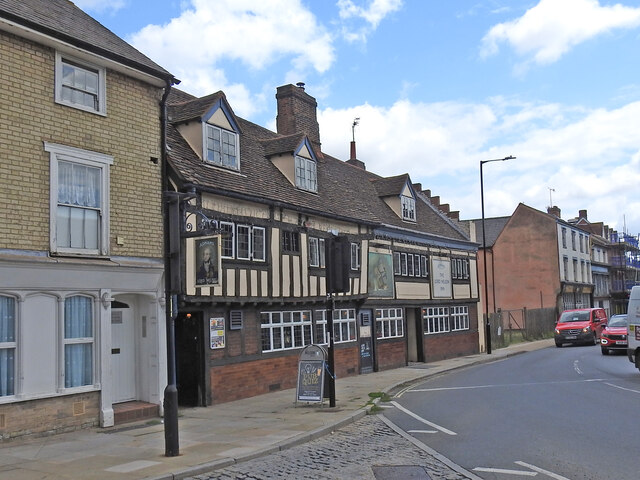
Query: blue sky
[{"x": 438, "y": 86}]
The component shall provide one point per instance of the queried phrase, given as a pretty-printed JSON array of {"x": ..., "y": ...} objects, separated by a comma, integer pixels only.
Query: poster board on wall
[{"x": 216, "y": 333}]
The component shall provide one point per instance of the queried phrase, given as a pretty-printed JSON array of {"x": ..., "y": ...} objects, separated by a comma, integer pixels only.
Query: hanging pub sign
[
  {"x": 207, "y": 261},
  {"x": 310, "y": 384}
]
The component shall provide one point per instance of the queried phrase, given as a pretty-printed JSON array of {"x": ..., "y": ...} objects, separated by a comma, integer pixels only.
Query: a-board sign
[{"x": 311, "y": 374}]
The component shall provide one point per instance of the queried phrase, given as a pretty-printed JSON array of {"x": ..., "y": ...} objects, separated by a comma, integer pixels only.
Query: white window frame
[
  {"x": 275, "y": 326},
  {"x": 408, "y": 207},
  {"x": 435, "y": 320},
  {"x": 81, "y": 341},
  {"x": 459, "y": 318},
  {"x": 224, "y": 156},
  {"x": 78, "y": 156},
  {"x": 253, "y": 253},
  {"x": 316, "y": 252},
  {"x": 389, "y": 323},
  {"x": 344, "y": 325},
  {"x": 306, "y": 174},
  {"x": 100, "y": 95},
  {"x": 410, "y": 270},
  {"x": 228, "y": 228},
  {"x": 355, "y": 256},
  {"x": 12, "y": 345},
  {"x": 424, "y": 261},
  {"x": 396, "y": 263},
  {"x": 403, "y": 264}
]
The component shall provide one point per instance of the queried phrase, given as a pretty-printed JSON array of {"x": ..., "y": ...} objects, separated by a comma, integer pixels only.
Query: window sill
[{"x": 41, "y": 396}]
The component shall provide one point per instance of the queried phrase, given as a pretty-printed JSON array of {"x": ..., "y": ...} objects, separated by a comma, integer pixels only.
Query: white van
[{"x": 633, "y": 328}]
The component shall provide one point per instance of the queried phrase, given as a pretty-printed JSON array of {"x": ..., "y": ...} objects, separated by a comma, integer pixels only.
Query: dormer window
[
  {"x": 221, "y": 147},
  {"x": 408, "y": 208},
  {"x": 306, "y": 174}
]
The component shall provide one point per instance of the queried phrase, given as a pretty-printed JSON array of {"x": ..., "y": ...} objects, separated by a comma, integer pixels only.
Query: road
[
  {"x": 367, "y": 449},
  {"x": 560, "y": 413}
]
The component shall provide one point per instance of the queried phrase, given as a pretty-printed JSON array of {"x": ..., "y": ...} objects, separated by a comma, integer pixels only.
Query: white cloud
[
  {"x": 551, "y": 28},
  {"x": 255, "y": 34},
  {"x": 373, "y": 14},
  {"x": 590, "y": 157}
]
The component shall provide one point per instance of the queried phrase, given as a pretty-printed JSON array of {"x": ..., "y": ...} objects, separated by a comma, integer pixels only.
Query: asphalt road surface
[{"x": 559, "y": 413}]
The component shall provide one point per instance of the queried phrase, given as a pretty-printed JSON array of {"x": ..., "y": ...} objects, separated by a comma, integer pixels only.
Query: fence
[{"x": 510, "y": 326}]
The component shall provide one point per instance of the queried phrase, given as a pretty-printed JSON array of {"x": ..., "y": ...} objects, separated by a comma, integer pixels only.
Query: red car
[
  {"x": 582, "y": 325},
  {"x": 614, "y": 335}
]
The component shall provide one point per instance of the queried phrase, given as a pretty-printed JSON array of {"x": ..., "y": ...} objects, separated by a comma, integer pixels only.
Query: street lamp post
[{"x": 484, "y": 251}]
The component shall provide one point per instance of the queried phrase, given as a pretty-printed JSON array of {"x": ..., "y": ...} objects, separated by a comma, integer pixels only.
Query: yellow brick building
[{"x": 81, "y": 243}]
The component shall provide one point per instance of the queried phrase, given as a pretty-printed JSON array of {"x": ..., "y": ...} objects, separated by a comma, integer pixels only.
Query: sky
[{"x": 437, "y": 86}]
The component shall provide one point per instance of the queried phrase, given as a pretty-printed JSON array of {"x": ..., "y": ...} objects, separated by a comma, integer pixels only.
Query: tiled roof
[
  {"x": 389, "y": 186},
  {"x": 62, "y": 20},
  {"x": 283, "y": 144},
  {"x": 494, "y": 227},
  {"x": 344, "y": 191},
  {"x": 191, "y": 109}
]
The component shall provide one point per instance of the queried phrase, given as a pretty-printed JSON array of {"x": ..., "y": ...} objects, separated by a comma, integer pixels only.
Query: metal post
[
  {"x": 172, "y": 448},
  {"x": 171, "y": 440},
  {"x": 332, "y": 363},
  {"x": 484, "y": 251}
]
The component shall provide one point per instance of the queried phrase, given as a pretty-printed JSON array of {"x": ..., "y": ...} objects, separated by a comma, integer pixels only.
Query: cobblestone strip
[{"x": 348, "y": 453}]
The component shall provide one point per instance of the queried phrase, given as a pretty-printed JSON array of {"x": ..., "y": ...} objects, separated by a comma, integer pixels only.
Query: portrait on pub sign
[{"x": 207, "y": 258}]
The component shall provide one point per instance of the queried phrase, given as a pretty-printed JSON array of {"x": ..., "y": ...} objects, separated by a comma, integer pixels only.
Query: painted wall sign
[
  {"x": 380, "y": 275},
  {"x": 441, "y": 277}
]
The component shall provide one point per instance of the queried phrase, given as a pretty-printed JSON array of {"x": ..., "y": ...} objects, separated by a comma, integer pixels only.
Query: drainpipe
[{"x": 172, "y": 448}]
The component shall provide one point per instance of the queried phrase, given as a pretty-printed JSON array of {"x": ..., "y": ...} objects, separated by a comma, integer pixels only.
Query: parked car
[
  {"x": 614, "y": 335},
  {"x": 581, "y": 325}
]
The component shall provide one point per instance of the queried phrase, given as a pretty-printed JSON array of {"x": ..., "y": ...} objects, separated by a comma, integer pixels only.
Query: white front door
[{"x": 123, "y": 354}]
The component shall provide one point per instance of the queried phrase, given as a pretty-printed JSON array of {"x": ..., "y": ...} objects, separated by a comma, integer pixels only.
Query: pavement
[{"x": 219, "y": 435}]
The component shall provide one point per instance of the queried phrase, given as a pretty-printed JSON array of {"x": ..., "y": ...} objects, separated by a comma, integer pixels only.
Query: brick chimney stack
[
  {"x": 297, "y": 113},
  {"x": 582, "y": 214},
  {"x": 555, "y": 211}
]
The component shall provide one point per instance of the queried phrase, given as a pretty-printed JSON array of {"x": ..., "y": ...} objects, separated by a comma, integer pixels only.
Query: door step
[{"x": 134, "y": 411}]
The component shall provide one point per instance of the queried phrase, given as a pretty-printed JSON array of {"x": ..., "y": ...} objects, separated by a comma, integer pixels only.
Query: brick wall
[
  {"x": 526, "y": 262},
  {"x": 391, "y": 354},
  {"x": 50, "y": 415},
  {"x": 130, "y": 133},
  {"x": 251, "y": 378},
  {"x": 450, "y": 345}
]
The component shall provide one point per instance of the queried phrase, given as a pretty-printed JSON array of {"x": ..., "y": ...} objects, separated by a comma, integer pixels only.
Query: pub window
[
  {"x": 410, "y": 265},
  {"x": 355, "y": 256},
  {"x": 285, "y": 330},
  {"x": 228, "y": 239},
  {"x": 396, "y": 263},
  {"x": 389, "y": 323},
  {"x": 316, "y": 252},
  {"x": 290, "y": 242}
]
